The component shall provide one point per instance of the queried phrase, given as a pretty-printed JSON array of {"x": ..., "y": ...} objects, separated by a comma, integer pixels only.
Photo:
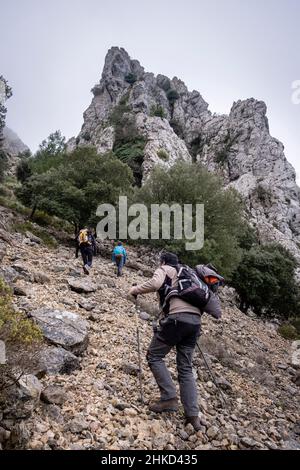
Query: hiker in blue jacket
[{"x": 119, "y": 257}]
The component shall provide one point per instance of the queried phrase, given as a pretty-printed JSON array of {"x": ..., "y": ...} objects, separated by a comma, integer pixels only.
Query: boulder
[
  {"x": 53, "y": 395},
  {"x": 82, "y": 286},
  {"x": 30, "y": 387},
  {"x": 53, "y": 360},
  {"x": 62, "y": 328},
  {"x": 33, "y": 238},
  {"x": 295, "y": 354}
]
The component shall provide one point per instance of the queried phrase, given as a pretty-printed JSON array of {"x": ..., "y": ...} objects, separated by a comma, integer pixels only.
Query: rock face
[
  {"x": 62, "y": 328},
  {"x": 177, "y": 124},
  {"x": 12, "y": 145}
]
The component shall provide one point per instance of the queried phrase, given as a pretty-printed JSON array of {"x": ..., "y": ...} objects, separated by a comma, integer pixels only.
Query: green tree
[
  {"x": 74, "y": 189},
  {"x": 3, "y": 164},
  {"x": 23, "y": 170},
  {"x": 51, "y": 153},
  {"x": 265, "y": 281}
]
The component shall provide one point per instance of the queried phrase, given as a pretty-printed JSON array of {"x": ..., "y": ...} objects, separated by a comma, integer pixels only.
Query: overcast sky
[{"x": 52, "y": 53}]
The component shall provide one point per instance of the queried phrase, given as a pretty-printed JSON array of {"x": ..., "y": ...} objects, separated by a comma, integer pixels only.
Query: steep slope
[
  {"x": 238, "y": 146},
  {"x": 98, "y": 405}
]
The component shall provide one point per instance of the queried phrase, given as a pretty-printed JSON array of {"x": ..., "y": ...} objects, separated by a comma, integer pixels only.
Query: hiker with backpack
[
  {"x": 86, "y": 244},
  {"x": 183, "y": 298},
  {"x": 119, "y": 257}
]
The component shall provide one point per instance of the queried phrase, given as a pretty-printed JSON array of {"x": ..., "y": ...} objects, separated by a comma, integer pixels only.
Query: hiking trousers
[
  {"x": 87, "y": 255},
  {"x": 183, "y": 336},
  {"x": 120, "y": 264}
]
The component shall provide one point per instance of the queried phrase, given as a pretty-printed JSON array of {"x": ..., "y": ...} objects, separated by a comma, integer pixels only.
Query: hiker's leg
[
  {"x": 89, "y": 257},
  {"x": 155, "y": 355},
  {"x": 120, "y": 266},
  {"x": 84, "y": 255},
  {"x": 187, "y": 383}
]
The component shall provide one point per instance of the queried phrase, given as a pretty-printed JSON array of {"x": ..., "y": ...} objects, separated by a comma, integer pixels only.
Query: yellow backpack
[{"x": 83, "y": 236}]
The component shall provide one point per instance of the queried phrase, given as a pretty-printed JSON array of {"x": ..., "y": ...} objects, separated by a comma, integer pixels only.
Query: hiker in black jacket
[{"x": 86, "y": 244}]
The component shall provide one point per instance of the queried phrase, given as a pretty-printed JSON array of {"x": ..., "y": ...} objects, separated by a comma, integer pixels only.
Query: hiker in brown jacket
[{"x": 181, "y": 329}]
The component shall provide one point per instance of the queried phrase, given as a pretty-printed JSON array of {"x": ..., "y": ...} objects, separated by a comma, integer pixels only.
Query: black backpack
[{"x": 189, "y": 288}]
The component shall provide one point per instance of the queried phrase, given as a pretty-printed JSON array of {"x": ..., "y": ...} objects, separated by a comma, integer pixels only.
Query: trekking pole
[
  {"x": 139, "y": 350},
  {"x": 212, "y": 374}
]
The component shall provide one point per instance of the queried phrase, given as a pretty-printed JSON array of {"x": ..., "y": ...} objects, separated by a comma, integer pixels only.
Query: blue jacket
[{"x": 119, "y": 250}]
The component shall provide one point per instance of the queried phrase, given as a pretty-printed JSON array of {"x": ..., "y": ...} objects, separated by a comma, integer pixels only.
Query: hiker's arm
[
  {"x": 150, "y": 286},
  {"x": 113, "y": 257}
]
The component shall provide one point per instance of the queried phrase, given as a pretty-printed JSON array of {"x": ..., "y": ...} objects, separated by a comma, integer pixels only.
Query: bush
[
  {"x": 163, "y": 154},
  {"x": 265, "y": 281},
  {"x": 3, "y": 165},
  {"x": 189, "y": 183},
  {"x": 288, "y": 331},
  {"x": 158, "y": 111},
  {"x": 172, "y": 96},
  {"x": 42, "y": 234},
  {"x": 131, "y": 152},
  {"x": 23, "y": 171},
  {"x": 21, "y": 338},
  {"x": 73, "y": 190},
  {"x": 130, "y": 78}
]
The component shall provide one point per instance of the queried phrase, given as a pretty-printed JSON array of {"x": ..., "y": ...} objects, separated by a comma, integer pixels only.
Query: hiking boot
[
  {"x": 164, "y": 406},
  {"x": 85, "y": 269},
  {"x": 194, "y": 421}
]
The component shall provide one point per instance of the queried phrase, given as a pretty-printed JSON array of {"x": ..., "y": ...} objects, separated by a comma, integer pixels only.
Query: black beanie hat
[{"x": 169, "y": 258}]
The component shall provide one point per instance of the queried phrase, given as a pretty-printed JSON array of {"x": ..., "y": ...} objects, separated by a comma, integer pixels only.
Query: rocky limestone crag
[{"x": 237, "y": 146}]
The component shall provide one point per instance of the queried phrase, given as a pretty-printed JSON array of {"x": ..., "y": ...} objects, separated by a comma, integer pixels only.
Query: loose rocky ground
[{"x": 96, "y": 405}]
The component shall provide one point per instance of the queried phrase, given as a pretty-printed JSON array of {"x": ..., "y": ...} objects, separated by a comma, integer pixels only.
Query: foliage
[
  {"x": 131, "y": 78},
  {"x": 265, "y": 281},
  {"x": 163, "y": 154},
  {"x": 131, "y": 152},
  {"x": 42, "y": 234},
  {"x": 23, "y": 171},
  {"x": 73, "y": 190},
  {"x": 186, "y": 183},
  {"x": 14, "y": 326},
  {"x": 288, "y": 331},
  {"x": 172, "y": 96},
  {"x": 51, "y": 154},
  {"x": 3, "y": 164},
  {"x": 158, "y": 111},
  {"x": 5, "y": 94}
]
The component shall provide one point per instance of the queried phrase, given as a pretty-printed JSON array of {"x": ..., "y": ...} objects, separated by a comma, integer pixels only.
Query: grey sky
[{"x": 52, "y": 52}]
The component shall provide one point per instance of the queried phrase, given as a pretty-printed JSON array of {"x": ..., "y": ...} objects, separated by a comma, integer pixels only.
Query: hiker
[
  {"x": 85, "y": 242},
  {"x": 179, "y": 328},
  {"x": 119, "y": 257}
]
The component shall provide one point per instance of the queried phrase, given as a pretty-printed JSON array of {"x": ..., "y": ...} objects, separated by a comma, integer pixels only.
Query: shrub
[
  {"x": 131, "y": 152},
  {"x": 42, "y": 234},
  {"x": 130, "y": 78},
  {"x": 73, "y": 190},
  {"x": 23, "y": 171},
  {"x": 265, "y": 281},
  {"x": 158, "y": 111},
  {"x": 163, "y": 154},
  {"x": 288, "y": 331},
  {"x": 172, "y": 96},
  {"x": 190, "y": 183},
  {"x": 3, "y": 164},
  {"x": 21, "y": 338}
]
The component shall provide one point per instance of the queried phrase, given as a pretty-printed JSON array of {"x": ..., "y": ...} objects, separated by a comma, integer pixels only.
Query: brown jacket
[{"x": 153, "y": 285}]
